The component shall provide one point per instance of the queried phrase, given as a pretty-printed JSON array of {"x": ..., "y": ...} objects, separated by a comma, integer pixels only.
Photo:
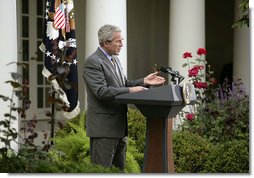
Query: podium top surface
[{"x": 163, "y": 95}]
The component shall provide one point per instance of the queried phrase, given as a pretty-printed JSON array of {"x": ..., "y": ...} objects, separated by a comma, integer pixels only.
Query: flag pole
[{"x": 52, "y": 129}]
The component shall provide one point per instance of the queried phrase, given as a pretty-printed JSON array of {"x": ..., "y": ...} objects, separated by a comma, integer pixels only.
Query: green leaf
[
  {"x": 3, "y": 123},
  {"x": 5, "y": 98},
  {"x": 185, "y": 64},
  {"x": 19, "y": 93},
  {"x": 14, "y": 84},
  {"x": 16, "y": 75},
  {"x": 8, "y": 115}
]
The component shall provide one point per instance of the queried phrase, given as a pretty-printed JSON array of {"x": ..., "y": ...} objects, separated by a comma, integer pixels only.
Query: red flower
[
  {"x": 200, "y": 85},
  {"x": 201, "y": 67},
  {"x": 186, "y": 55},
  {"x": 201, "y": 51},
  {"x": 213, "y": 81},
  {"x": 194, "y": 71},
  {"x": 189, "y": 116}
]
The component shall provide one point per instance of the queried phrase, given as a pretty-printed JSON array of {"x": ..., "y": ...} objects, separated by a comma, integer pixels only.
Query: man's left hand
[{"x": 153, "y": 79}]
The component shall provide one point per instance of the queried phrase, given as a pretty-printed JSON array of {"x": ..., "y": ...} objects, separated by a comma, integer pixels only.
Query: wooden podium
[{"x": 159, "y": 105}]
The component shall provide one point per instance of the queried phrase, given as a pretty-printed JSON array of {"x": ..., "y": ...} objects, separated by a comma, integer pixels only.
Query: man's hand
[
  {"x": 153, "y": 79},
  {"x": 137, "y": 89}
]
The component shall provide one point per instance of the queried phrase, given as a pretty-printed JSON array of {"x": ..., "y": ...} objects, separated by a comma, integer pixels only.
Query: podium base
[{"x": 158, "y": 156}]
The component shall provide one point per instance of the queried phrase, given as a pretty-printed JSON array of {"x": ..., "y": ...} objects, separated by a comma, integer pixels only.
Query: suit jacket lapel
[{"x": 110, "y": 66}]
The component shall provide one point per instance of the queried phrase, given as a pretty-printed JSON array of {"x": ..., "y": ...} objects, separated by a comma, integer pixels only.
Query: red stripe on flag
[{"x": 59, "y": 18}]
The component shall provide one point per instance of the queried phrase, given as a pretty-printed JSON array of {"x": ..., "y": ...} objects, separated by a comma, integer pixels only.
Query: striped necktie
[
  {"x": 114, "y": 62},
  {"x": 117, "y": 69}
]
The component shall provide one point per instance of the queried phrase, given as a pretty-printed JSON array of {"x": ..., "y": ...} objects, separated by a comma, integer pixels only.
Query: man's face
[{"x": 114, "y": 47}]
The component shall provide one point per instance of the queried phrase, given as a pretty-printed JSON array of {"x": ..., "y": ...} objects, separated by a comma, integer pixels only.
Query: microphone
[
  {"x": 174, "y": 74},
  {"x": 167, "y": 70}
]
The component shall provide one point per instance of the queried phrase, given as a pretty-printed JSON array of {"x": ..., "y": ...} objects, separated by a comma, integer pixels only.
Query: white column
[
  {"x": 100, "y": 12},
  {"x": 8, "y": 50},
  {"x": 80, "y": 19},
  {"x": 186, "y": 31},
  {"x": 251, "y": 7},
  {"x": 241, "y": 64},
  {"x": 186, "y": 34}
]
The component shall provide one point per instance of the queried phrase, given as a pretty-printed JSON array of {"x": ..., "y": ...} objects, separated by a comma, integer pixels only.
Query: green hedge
[
  {"x": 137, "y": 132},
  {"x": 190, "y": 152},
  {"x": 73, "y": 142},
  {"x": 194, "y": 154},
  {"x": 231, "y": 157},
  {"x": 70, "y": 154}
]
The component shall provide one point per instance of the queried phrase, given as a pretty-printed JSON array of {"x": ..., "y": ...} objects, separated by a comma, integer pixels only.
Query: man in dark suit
[{"x": 106, "y": 122}]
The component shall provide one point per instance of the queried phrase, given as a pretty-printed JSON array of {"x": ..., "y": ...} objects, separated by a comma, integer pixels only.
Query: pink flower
[
  {"x": 189, "y": 116},
  {"x": 201, "y": 51},
  {"x": 186, "y": 55}
]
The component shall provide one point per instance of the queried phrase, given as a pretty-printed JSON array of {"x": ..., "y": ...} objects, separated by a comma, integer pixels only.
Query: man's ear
[{"x": 105, "y": 43}]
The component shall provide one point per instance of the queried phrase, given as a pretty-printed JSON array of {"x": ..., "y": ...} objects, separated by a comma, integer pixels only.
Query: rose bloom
[
  {"x": 186, "y": 55},
  {"x": 200, "y": 85},
  {"x": 201, "y": 67},
  {"x": 194, "y": 71},
  {"x": 201, "y": 51},
  {"x": 189, "y": 116}
]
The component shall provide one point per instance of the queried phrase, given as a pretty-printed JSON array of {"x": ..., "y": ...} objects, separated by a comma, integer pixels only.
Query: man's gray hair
[{"x": 106, "y": 33}]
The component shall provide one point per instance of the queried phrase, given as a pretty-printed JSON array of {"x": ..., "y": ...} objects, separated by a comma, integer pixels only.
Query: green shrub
[
  {"x": 66, "y": 165},
  {"x": 72, "y": 139},
  {"x": 27, "y": 161},
  {"x": 52, "y": 162},
  {"x": 190, "y": 152},
  {"x": 11, "y": 163},
  {"x": 79, "y": 120},
  {"x": 137, "y": 132},
  {"x": 73, "y": 144},
  {"x": 194, "y": 154},
  {"x": 134, "y": 157},
  {"x": 231, "y": 157}
]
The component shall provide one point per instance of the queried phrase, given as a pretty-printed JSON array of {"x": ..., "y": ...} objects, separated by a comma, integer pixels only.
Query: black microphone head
[{"x": 164, "y": 69}]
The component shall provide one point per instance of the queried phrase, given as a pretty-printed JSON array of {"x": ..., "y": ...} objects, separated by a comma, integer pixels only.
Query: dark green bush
[
  {"x": 27, "y": 161},
  {"x": 194, "y": 154},
  {"x": 132, "y": 157},
  {"x": 231, "y": 157},
  {"x": 137, "y": 132},
  {"x": 70, "y": 154},
  {"x": 190, "y": 152},
  {"x": 53, "y": 162},
  {"x": 72, "y": 139},
  {"x": 73, "y": 143},
  {"x": 66, "y": 165}
]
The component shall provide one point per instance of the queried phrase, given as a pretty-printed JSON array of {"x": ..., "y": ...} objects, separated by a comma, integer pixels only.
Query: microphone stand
[
  {"x": 178, "y": 76},
  {"x": 174, "y": 80}
]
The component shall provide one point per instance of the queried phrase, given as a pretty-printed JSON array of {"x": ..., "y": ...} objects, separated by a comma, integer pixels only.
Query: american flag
[
  {"x": 59, "y": 46},
  {"x": 59, "y": 18}
]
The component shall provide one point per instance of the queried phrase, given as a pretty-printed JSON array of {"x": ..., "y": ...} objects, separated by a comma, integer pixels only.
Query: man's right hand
[{"x": 137, "y": 89}]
